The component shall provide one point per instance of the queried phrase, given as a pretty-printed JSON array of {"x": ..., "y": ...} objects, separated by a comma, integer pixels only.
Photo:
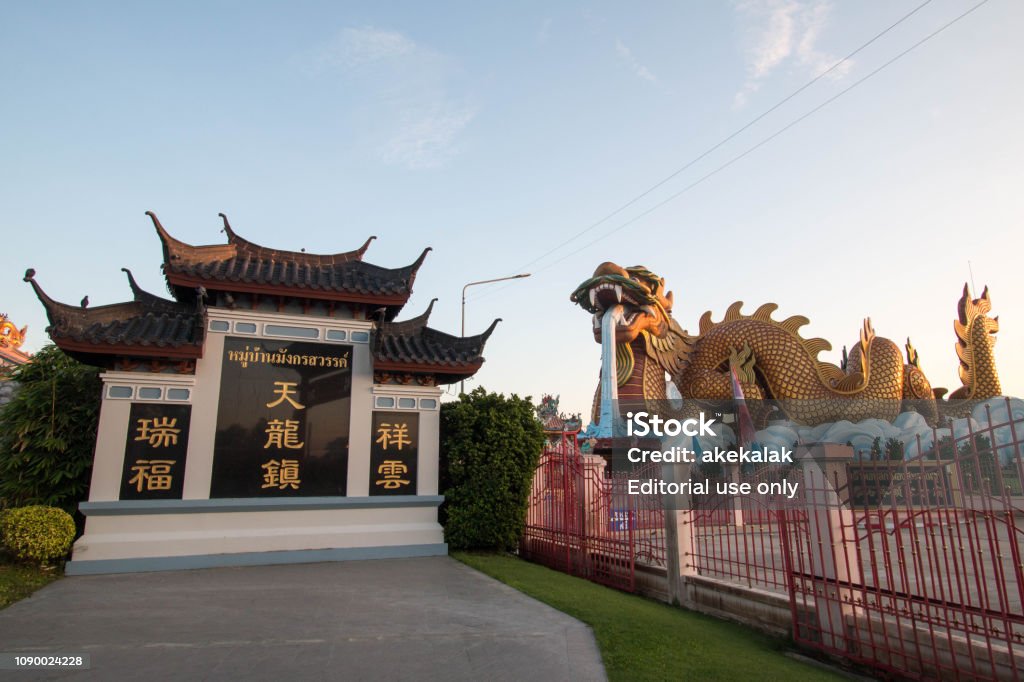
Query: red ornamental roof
[
  {"x": 411, "y": 346},
  {"x": 148, "y": 326},
  {"x": 153, "y": 327},
  {"x": 242, "y": 266},
  {"x": 13, "y": 356}
]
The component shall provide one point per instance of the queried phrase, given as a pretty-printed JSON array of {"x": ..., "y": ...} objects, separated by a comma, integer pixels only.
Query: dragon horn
[
  {"x": 867, "y": 333},
  {"x": 912, "y": 356}
]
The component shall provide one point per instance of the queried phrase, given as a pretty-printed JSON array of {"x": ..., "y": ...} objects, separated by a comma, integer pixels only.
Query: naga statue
[{"x": 769, "y": 358}]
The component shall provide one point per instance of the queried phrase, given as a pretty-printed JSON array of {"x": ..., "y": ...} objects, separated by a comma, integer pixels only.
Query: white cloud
[
  {"x": 739, "y": 100},
  {"x": 777, "y": 32},
  {"x": 626, "y": 55},
  {"x": 427, "y": 139},
  {"x": 358, "y": 46},
  {"x": 400, "y": 87},
  {"x": 545, "y": 31},
  {"x": 775, "y": 42},
  {"x": 815, "y": 20}
]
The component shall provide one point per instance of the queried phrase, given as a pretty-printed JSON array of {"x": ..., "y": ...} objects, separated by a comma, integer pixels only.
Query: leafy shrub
[
  {"x": 48, "y": 431},
  {"x": 490, "y": 446},
  {"x": 37, "y": 533}
]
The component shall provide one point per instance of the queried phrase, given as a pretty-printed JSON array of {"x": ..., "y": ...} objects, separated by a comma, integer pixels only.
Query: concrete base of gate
[{"x": 159, "y": 535}]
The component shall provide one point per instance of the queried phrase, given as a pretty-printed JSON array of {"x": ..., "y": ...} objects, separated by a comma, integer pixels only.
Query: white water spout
[{"x": 609, "y": 373}]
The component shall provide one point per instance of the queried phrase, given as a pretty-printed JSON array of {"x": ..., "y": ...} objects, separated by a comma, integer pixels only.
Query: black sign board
[
  {"x": 283, "y": 419},
  {"x": 393, "y": 450},
  {"x": 154, "y": 451}
]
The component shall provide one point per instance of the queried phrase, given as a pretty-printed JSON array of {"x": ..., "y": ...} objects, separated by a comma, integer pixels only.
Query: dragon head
[{"x": 646, "y": 306}]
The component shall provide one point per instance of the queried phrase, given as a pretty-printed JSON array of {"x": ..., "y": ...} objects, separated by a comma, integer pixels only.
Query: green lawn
[
  {"x": 18, "y": 582},
  {"x": 641, "y": 639}
]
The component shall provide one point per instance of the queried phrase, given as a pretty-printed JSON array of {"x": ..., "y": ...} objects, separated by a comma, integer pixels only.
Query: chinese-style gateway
[{"x": 275, "y": 411}]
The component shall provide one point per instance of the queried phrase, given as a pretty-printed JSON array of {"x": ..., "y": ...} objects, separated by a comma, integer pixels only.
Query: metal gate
[{"x": 581, "y": 521}]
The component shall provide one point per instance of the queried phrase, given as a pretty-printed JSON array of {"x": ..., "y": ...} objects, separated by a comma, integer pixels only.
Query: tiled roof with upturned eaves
[
  {"x": 412, "y": 346},
  {"x": 241, "y": 265},
  {"x": 147, "y": 326}
]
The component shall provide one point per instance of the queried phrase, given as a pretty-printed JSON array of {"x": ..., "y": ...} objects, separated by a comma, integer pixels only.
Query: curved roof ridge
[
  {"x": 64, "y": 316},
  {"x": 412, "y": 325},
  {"x": 177, "y": 250},
  {"x": 411, "y": 345},
  {"x": 261, "y": 251},
  {"x": 462, "y": 342},
  {"x": 171, "y": 329},
  {"x": 142, "y": 296},
  {"x": 244, "y": 266}
]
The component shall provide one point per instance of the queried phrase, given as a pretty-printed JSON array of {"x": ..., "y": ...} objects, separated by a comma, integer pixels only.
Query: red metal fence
[
  {"x": 583, "y": 522},
  {"x": 741, "y": 539},
  {"x": 914, "y": 567}
]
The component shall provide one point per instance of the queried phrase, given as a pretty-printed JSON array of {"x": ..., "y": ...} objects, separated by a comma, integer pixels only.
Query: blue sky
[{"x": 495, "y": 132}]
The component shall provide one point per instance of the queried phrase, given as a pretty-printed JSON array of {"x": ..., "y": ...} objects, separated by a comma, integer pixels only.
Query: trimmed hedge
[
  {"x": 490, "y": 446},
  {"x": 37, "y": 533}
]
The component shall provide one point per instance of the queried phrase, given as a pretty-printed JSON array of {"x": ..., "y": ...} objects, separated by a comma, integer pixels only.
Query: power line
[
  {"x": 774, "y": 135},
  {"x": 757, "y": 146},
  {"x": 723, "y": 141}
]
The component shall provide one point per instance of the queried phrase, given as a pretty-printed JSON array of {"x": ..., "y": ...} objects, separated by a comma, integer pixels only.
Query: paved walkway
[{"x": 401, "y": 619}]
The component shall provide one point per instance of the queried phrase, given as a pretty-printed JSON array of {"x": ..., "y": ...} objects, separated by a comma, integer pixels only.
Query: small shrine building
[
  {"x": 560, "y": 431},
  {"x": 274, "y": 410}
]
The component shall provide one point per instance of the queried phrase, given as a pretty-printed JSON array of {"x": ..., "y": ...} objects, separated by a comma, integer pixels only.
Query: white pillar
[{"x": 834, "y": 558}]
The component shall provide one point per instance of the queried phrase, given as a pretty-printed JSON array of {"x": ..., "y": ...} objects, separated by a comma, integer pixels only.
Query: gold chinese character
[
  {"x": 285, "y": 390},
  {"x": 152, "y": 474},
  {"x": 283, "y": 434},
  {"x": 281, "y": 474},
  {"x": 393, "y": 434},
  {"x": 160, "y": 431},
  {"x": 392, "y": 470}
]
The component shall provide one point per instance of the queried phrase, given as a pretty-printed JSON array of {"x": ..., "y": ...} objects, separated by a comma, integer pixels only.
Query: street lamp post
[{"x": 462, "y": 386}]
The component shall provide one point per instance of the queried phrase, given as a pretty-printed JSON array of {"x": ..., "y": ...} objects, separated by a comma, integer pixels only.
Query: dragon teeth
[{"x": 607, "y": 286}]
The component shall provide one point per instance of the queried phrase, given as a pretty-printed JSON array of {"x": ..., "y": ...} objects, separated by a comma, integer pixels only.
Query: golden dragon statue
[{"x": 773, "y": 362}]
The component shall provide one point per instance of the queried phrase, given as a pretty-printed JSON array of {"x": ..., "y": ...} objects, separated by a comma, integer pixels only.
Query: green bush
[
  {"x": 490, "y": 446},
  {"x": 48, "y": 432},
  {"x": 39, "y": 534}
]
